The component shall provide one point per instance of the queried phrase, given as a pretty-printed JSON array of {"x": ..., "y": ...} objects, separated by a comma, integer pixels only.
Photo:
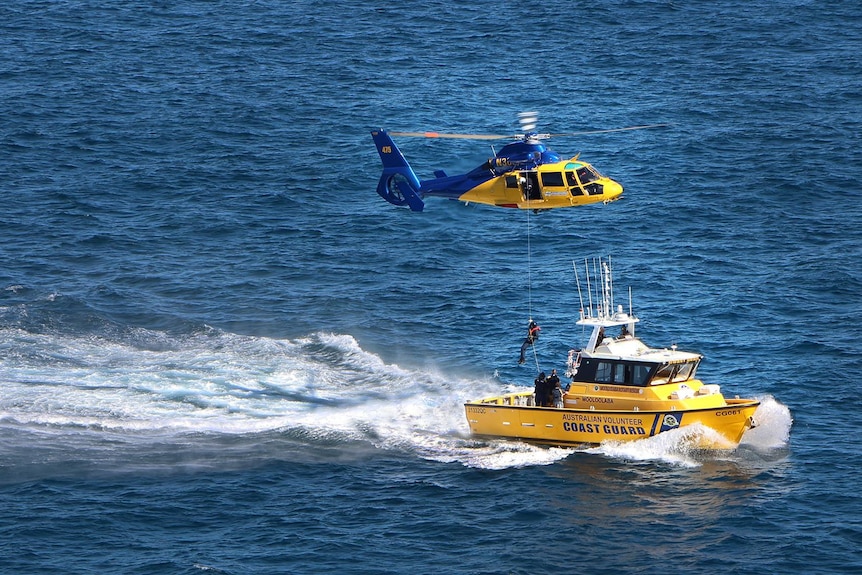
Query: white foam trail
[{"x": 323, "y": 387}]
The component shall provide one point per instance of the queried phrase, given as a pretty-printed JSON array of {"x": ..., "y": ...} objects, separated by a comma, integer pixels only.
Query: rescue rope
[
  {"x": 529, "y": 270},
  {"x": 530, "y": 288}
]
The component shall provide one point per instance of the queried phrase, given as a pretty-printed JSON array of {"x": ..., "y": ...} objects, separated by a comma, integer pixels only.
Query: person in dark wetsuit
[
  {"x": 533, "y": 330},
  {"x": 541, "y": 390}
]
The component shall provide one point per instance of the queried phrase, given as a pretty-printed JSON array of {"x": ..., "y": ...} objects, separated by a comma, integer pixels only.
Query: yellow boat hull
[{"x": 511, "y": 417}]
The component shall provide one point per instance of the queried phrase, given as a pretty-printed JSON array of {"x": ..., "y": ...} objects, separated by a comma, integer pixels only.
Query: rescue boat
[{"x": 619, "y": 389}]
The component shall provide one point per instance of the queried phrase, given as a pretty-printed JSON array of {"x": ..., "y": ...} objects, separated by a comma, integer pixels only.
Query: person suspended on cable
[{"x": 533, "y": 330}]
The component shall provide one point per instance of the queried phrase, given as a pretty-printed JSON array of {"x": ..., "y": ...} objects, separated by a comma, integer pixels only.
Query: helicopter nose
[{"x": 612, "y": 190}]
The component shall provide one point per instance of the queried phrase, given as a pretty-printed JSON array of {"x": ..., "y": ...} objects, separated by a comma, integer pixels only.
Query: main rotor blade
[
  {"x": 608, "y": 131},
  {"x": 459, "y": 136}
]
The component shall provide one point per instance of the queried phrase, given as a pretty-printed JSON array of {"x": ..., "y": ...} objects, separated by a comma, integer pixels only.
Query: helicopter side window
[
  {"x": 552, "y": 179},
  {"x": 512, "y": 182},
  {"x": 573, "y": 184}
]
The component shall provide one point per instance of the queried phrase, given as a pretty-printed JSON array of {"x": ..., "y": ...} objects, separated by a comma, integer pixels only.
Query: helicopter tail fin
[{"x": 398, "y": 184}]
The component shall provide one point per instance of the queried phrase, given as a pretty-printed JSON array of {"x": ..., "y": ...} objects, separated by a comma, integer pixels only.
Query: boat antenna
[
  {"x": 606, "y": 290},
  {"x": 589, "y": 287},
  {"x": 611, "y": 284},
  {"x": 598, "y": 281},
  {"x": 578, "y": 283}
]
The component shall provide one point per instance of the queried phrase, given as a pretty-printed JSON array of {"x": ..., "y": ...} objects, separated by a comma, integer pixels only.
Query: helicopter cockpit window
[
  {"x": 572, "y": 182},
  {"x": 552, "y": 179},
  {"x": 587, "y": 175}
]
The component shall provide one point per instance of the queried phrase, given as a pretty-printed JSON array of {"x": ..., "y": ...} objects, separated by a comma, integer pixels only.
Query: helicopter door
[
  {"x": 574, "y": 186},
  {"x": 530, "y": 185}
]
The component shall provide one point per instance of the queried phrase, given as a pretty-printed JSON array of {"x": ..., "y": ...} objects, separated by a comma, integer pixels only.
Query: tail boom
[{"x": 398, "y": 184}]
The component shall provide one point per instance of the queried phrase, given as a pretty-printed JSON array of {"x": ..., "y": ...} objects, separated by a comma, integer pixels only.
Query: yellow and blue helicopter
[{"x": 525, "y": 174}]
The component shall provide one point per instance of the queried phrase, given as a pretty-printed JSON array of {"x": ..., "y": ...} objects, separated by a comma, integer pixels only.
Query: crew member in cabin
[{"x": 533, "y": 330}]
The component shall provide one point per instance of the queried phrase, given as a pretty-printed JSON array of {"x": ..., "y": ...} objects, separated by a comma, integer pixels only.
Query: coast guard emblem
[{"x": 670, "y": 422}]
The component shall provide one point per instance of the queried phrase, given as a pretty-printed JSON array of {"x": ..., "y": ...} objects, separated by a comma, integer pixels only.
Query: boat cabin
[{"x": 613, "y": 355}]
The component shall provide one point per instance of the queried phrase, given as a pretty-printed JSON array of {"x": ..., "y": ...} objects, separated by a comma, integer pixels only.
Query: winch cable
[{"x": 530, "y": 289}]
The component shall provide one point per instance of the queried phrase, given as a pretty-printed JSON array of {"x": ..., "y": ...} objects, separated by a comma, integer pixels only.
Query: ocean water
[{"x": 221, "y": 351}]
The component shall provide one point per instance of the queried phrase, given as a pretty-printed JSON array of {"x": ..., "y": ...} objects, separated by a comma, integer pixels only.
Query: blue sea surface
[{"x": 221, "y": 351}]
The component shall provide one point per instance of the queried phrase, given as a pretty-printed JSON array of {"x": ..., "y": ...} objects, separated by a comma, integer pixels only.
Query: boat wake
[
  {"x": 221, "y": 395},
  {"x": 218, "y": 395}
]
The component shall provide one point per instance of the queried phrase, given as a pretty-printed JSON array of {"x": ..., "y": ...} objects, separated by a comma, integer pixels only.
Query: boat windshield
[{"x": 674, "y": 372}]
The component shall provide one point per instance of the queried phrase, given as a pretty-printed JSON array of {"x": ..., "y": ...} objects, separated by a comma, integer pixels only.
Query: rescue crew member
[
  {"x": 541, "y": 390},
  {"x": 533, "y": 330},
  {"x": 555, "y": 391}
]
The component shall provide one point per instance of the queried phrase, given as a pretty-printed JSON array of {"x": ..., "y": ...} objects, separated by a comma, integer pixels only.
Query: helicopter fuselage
[{"x": 524, "y": 174}]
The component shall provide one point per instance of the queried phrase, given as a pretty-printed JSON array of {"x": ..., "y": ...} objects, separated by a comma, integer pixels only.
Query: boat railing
[{"x": 519, "y": 399}]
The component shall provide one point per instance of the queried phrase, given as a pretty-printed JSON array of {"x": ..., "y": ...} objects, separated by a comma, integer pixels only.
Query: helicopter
[{"x": 525, "y": 174}]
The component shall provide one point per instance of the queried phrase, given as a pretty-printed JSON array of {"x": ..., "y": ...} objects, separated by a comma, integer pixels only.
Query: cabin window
[
  {"x": 552, "y": 179},
  {"x": 603, "y": 372},
  {"x": 684, "y": 372},
  {"x": 512, "y": 182},
  {"x": 675, "y": 372},
  {"x": 640, "y": 375},
  {"x": 664, "y": 374},
  {"x": 607, "y": 372}
]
